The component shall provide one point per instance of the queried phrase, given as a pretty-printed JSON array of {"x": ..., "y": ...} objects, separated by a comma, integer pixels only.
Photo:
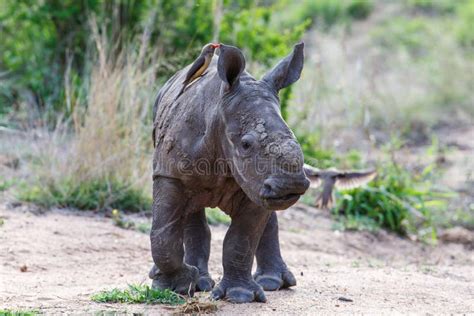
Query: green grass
[
  {"x": 216, "y": 217},
  {"x": 8, "y": 312},
  {"x": 88, "y": 195},
  {"x": 138, "y": 294}
]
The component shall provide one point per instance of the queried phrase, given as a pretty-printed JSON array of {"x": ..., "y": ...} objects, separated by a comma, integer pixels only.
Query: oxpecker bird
[
  {"x": 331, "y": 178},
  {"x": 199, "y": 66}
]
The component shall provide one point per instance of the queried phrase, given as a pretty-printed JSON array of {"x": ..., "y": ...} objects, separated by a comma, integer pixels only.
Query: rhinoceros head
[{"x": 265, "y": 157}]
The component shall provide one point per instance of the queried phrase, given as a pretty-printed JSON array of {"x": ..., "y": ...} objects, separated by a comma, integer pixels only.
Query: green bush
[
  {"x": 399, "y": 200},
  {"x": 251, "y": 28},
  {"x": 46, "y": 43},
  {"x": 88, "y": 195},
  {"x": 138, "y": 294}
]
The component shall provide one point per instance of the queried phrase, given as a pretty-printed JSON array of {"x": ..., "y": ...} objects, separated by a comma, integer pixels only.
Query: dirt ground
[{"x": 68, "y": 256}]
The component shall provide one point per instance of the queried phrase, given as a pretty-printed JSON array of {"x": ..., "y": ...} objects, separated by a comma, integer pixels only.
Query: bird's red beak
[{"x": 216, "y": 45}]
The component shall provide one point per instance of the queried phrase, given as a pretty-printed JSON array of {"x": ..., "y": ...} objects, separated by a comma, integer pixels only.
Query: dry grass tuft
[
  {"x": 195, "y": 306},
  {"x": 106, "y": 162}
]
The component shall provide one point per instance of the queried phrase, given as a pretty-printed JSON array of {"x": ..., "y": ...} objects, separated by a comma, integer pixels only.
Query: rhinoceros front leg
[
  {"x": 272, "y": 273},
  {"x": 197, "y": 247},
  {"x": 240, "y": 244},
  {"x": 169, "y": 271}
]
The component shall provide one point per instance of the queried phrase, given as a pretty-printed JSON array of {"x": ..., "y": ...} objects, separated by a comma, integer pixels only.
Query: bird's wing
[
  {"x": 313, "y": 175},
  {"x": 354, "y": 179},
  {"x": 198, "y": 63}
]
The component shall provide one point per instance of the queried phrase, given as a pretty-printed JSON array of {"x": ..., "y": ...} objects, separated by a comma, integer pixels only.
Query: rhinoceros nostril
[{"x": 267, "y": 188}]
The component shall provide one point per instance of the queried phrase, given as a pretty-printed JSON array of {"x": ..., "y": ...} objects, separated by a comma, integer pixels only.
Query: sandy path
[{"x": 70, "y": 257}]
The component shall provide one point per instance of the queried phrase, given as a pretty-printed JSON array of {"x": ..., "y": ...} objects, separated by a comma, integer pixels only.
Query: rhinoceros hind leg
[
  {"x": 197, "y": 247},
  {"x": 272, "y": 273}
]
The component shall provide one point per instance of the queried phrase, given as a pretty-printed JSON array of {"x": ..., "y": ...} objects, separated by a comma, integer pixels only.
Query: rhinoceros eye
[{"x": 247, "y": 142}]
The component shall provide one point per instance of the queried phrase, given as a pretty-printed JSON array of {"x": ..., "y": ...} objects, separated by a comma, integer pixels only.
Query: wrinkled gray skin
[{"x": 224, "y": 144}]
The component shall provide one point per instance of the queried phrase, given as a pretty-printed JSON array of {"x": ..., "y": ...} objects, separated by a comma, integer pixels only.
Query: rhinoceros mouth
[
  {"x": 281, "y": 202},
  {"x": 285, "y": 197}
]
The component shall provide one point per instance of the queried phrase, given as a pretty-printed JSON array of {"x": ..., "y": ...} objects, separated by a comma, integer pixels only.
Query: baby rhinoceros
[{"x": 223, "y": 143}]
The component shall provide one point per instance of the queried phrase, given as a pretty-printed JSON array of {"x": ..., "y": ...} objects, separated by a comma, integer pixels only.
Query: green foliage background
[
  {"x": 42, "y": 41},
  {"x": 47, "y": 54}
]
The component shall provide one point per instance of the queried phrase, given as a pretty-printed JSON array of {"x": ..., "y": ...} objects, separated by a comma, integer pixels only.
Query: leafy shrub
[
  {"x": 46, "y": 45},
  {"x": 44, "y": 40},
  {"x": 137, "y": 294},
  {"x": 400, "y": 200},
  {"x": 251, "y": 28}
]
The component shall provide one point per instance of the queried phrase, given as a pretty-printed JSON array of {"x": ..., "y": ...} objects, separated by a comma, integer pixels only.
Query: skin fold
[{"x": 224, "y": 144}]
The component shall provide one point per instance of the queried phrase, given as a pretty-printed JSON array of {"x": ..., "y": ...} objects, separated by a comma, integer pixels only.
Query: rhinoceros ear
[
  {"x": 230, "y": 65},
  {"x": 288, "y": 70}
]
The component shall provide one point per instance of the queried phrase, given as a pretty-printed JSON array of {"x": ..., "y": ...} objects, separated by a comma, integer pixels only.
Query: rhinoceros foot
[
  {"x": 273, "y": 280},
  {"x": 239, "y": 291},
  {"x": 182, "y": 281},
  {"x": 205, "y": 283}
]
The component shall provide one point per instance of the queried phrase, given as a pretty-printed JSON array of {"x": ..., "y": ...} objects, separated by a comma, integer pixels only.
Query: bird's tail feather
[{"x": 180, "y": 92}]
